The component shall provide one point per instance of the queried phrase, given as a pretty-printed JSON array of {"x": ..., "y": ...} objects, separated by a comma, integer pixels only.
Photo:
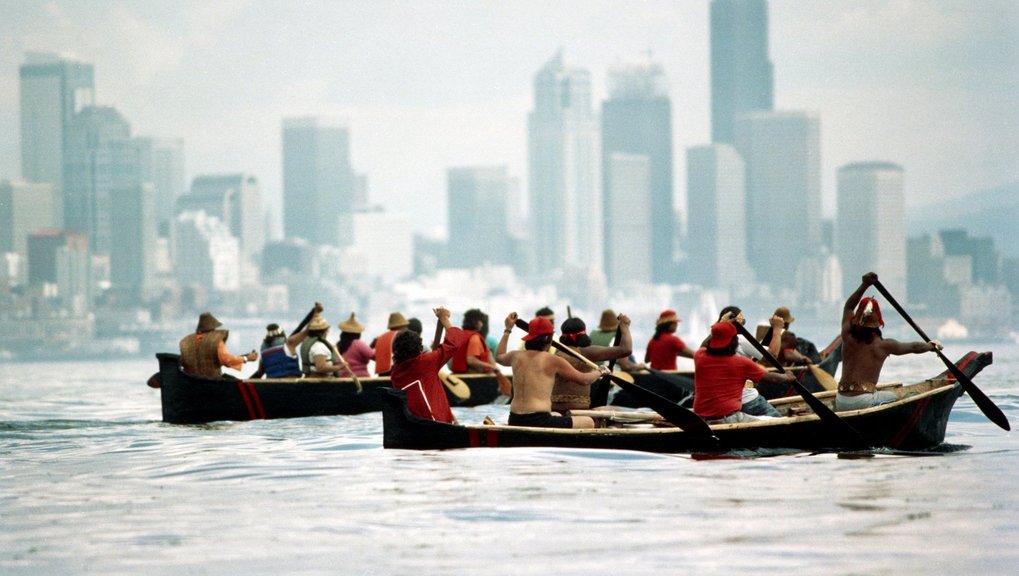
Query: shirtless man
[
  {"x": 534, "y": 374},
  {"x": 864, "y": 351}
]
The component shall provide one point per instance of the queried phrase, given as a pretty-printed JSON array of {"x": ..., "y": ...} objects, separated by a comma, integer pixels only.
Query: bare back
[
  {"x": 534, "y": 375},
  {"x": 862, "y": 361}
]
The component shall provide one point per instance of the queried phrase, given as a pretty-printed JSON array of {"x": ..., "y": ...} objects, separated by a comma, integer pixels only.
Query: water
[{"x": 91, "y": 481}]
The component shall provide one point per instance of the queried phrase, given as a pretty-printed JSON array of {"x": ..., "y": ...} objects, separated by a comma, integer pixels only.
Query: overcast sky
[{"x": 932, "y": 85}]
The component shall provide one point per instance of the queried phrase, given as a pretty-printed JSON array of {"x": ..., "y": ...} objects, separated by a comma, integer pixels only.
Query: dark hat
[
  {"x": 414, "y": 325},
  {"x": 722, "y": 334},
  {"x": 207, "y": 322},
  {"x": 538, "y": 327}
]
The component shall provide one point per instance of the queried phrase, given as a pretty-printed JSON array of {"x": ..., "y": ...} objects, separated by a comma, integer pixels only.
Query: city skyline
[{"x": 927, "y": 85}]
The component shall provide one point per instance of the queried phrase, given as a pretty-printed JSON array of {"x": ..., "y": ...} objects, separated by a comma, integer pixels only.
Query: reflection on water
[{"x": 92, "y": 481}]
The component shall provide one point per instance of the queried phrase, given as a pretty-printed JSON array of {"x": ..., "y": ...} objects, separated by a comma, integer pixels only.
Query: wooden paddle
[
  {"x": 307, "y": 318},
  {"x": 989, "y": 408},
  {"x": 682, "y": 418},
  {"x": 826, "y": 380},
  {"x": 826, "y": 414},
  {"x": 457, "y": 387}
]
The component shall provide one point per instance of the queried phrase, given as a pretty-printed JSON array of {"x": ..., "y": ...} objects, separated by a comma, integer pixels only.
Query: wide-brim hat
[
  {"x": 666, "y": 317},
  {"x": 207, "y": 322},
  {"x": 722, "y": 334},
  {"x": 318, "y": 323},
  {"x": 537, "y": 328},
  {"x": 609, "y": 321},
  {"x": 351, "y": 325},
  {"x": 783, "y": 313},
  {"x": 396, "y": 321}
]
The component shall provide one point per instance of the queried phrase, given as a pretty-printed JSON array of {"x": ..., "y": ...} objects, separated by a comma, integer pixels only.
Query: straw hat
[
  {"x": 397, "y": 321},
  {"x": 783, "y": 313},
  {"x": 609, "y": 321},
  {"x": 318, "y": 323},
  {"x": 207, "y": 322},
  {"x": 351, "y": 325},
  {"x": 666, "y": 317}
]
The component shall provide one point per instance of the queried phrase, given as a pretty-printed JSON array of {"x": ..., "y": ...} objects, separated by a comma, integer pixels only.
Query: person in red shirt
[
  {"x": 665, "y": 346},
  {"x": 475, "y": 357},
  {"x": 416, "y": 372},
  {"x": 720, "y": 375}
]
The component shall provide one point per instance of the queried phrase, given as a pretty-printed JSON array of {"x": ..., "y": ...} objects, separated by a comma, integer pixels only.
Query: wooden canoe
[{"x": 916, "y": 421}]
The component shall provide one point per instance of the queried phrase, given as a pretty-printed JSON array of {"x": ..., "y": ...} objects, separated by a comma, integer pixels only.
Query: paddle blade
[{"x": 826, "y": 380}]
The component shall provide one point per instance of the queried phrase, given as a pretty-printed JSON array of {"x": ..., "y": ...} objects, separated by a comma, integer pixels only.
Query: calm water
[{"x": 91, "y": 481}]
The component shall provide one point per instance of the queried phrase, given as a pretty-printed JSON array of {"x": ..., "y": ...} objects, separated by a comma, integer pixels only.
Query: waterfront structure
[
  {"x": 564, "y": 193},
  {"x": 742, "y": 78},
  {"x": 318, "y": 182},
  {"x": 637, "y": 120},
  {"x": 870, "y": 229},
  {"x": 782, "y": 153},
  {"x": 236, "y": 200},
  {"x": 478, "y": 199},
  {"x": 53, "y": 89},
  {"x": 715, "y": 196},
  {"x": 628, "y": 236}
]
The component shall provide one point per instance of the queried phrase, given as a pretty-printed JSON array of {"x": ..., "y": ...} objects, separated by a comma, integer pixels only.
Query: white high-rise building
[
  {"x": 627, "y": 217},
  {"x": 782, "y": 152},
  {"x": 870, "y": 232},
  {"x": 715, "y": 196},
  {"x": 161, "y": 162},
  {"x": 563, "y": 159},
  {"x": 207, "y": 253}
]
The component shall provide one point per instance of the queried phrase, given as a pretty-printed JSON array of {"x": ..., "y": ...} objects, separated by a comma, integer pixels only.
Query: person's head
[
  {"x": 274, "y": 335},
  {"x": 667, "y": 322},
  {"x": 609, "y": 321},
  {"x": 783, "y": 313},
  {"x": 574, "y": 333},
  {"x": 318, "y": 327},
  {"x": 207, "y": 323},
  {"x": 351, "y": 326},
  {"x": 414, "y": 325},
  {"x": 723, "y": 341},
  {"x": 546, "y": 313},
  {"x": 406, "y": 345},
  {"x": 737, "y": 314},
  {"x": 867, "y": 321},
  {"x": 539, "y": 334},
  {"x": 474, "y": 319},
  {"x": 788, "y": 339},
  {"x": 396, "y": 321}
]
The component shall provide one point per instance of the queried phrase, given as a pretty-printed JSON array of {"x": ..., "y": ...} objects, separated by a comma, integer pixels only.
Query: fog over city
[{"x": 424, "y": 86}]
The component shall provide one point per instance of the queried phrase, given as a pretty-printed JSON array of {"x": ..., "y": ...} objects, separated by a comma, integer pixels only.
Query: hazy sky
[{"x": 428, "y": 85}]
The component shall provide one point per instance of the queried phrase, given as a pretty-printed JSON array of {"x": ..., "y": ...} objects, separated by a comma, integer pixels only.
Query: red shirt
[
  {"x": 718, "y": 382},
  {"x": 661, "y": 353},
  {"x": 419, "y": 378}
]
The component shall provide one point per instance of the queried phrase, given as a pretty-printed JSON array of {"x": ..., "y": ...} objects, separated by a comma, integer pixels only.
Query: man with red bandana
[{"x": 864, "y": 351}]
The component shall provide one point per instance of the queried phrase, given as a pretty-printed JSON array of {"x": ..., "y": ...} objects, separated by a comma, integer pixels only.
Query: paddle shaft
[
  {"x": 684, "y": 419},
  {"x": 615, "y": 342},
  {"x": 988, "y": 407},
  {"x": 307, "y": 318},
  {"x": 816, "y": 404},
  {"x": 437, "y": 340}
]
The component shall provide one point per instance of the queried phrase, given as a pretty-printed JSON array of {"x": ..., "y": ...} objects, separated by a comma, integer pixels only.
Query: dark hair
[
  {"x": 863, "y": 333},
  {"x": 661, "y": 329},
  {"x": 539, "y": 343},
  {"x": 346, "y": 339},
  {"x": 734, "y": 309},
  {"x": 578, "y": 340},
  {"x": 471, "y": 319},
  {"x": 728, "y": 350},
  {"x": 406, "y": 345},
  {"x": 544, "y": 311},
  {"x": 414, "y": 325}
]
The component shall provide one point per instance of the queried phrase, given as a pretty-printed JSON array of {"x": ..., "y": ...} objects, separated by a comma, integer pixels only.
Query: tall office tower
[
  {"x": 741, "y": 73},
  {"x": 715, "y": 196},
  {"x": 628, "y": 236},
  {"x": 208, "y": 254},
  {"x": 637, "y": 119},
  {"x": 870, "y": 232},
  {"x": 477, "y": 208},
  {"x": 161, "y": 162},
  {"x": 53, "y": 90},
  {"x": 564, "y": 192},
  {"x": 60, "y": 258},
  {"x": 237, "y": 201},
  {"x": 318, "y": 181},
  {"x": 25, "y": 207},
  {"x": 782, "y": 152}
]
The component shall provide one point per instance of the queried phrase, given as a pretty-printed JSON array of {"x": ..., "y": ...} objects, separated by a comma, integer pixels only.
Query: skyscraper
[
  {"x": 161, "y": 162},
  {"x": 782, "y": 152},
  {"x": 318, "y": 181},
  {"x": 741, "y": 71},
  {"x": 637, "y": 119},
  {"x": 628, "y": 236},
  {"x": 715, "y": 195},
  {"x": 236, "y": 200},
  {"x": 565, "y": 199},
  {"x": 53, "y": 90},
  {"x": 477, "y": 204},
  {"x": 871, "y": 224}
]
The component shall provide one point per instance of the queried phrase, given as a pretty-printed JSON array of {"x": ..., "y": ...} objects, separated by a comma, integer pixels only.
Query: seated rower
[
  {"x": 416, "y": 372},
  {"x": 319, "y": 358},
  {"x": 570, "y": 395}
]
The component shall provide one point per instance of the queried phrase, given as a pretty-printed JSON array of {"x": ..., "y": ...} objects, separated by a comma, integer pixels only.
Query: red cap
[
  {"x": 667, "y": 317},
  {"x": 722, "y": 334},
  {"x": 538, "y": 327}
]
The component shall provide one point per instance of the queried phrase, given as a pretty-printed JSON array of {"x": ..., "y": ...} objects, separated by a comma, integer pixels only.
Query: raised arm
[
  {"x": 567, "y": 371},
  {"x": 501, "y": 355},
  {"x": 854, "y": 299}
]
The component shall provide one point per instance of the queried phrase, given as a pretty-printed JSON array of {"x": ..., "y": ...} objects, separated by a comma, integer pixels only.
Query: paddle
[
  {"x": 307, "y": 318},
  {"x": 684, "y": 419},
  {"x": 600, "y": 394},
  {"x": 820, "y": 408},
  {"x": 826, "y": 380},
  {"x": 989, "y": 408}
]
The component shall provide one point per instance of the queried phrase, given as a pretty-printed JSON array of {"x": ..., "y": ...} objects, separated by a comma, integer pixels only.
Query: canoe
[
  {"x": 189, "y": 399},
  {"x": 917, "y": 420}
]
